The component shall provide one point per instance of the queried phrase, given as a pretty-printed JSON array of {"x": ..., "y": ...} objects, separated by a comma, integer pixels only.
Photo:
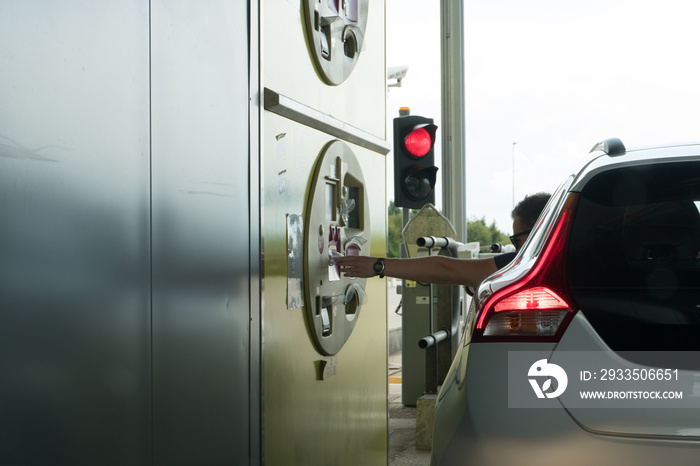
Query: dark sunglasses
[{"x": 514, "y": 239}]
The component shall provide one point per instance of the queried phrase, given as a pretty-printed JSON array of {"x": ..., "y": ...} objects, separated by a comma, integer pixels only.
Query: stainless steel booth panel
[
  {"x": 342, "y": 419},
  {"x": 124, "y": 233},
  {"x": 323, "y": 404},
  {"x": 74, "y": 233},
  {"x": 289, "y": 69},
  {"x": 201, "y": 244}
]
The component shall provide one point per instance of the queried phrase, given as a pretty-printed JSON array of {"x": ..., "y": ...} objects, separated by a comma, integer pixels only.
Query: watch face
[{"x": 377, "y": 267}]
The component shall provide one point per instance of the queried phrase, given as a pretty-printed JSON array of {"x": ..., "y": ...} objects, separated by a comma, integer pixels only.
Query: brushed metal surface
[
  {"x": 342, "y": 419},
  {"x": 125, "y": 248},
  {"x": 319, "y": 409},
  {"x": 201, "y": 241},
  {"x": 74, "y": 233},
  {"x": 288, "y": 67}
]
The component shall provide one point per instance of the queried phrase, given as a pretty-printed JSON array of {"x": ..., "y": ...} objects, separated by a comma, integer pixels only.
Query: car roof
[{"x": 633, "y": 157}]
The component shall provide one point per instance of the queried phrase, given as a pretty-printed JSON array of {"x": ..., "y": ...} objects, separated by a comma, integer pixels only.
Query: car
[{"x": 585, "y": 349}]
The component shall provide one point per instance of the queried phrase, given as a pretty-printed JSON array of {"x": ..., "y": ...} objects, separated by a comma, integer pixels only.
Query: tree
[
  {"x": 395, "y": 225},
  {"x": 477, "y": 230}
]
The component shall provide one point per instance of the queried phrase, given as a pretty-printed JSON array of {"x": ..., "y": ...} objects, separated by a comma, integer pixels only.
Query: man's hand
[{"x": 357, "y": 266}]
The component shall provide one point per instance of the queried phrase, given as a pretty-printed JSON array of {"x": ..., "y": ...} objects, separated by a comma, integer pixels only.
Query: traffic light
[{"x": 414, "y": 161}]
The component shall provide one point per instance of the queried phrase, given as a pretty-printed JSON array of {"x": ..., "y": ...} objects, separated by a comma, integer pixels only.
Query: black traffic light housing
[{"x": 414, "y": 161}]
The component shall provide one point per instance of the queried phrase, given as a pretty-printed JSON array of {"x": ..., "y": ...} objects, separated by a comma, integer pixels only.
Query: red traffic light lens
[{"x": 418, "y": 142}]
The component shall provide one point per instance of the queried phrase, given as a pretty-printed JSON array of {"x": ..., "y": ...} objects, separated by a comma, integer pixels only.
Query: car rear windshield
[{"x": 634, "y": 256}]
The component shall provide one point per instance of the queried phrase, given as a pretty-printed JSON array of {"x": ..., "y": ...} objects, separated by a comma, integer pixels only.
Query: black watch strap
[{"x": 379, "y": 267}]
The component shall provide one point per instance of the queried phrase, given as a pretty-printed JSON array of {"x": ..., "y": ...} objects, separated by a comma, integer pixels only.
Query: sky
[{"x": 554, "y": 77}]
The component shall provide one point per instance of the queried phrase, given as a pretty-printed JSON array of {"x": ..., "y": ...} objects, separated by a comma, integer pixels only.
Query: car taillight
[{"x": 537, "y": 307}]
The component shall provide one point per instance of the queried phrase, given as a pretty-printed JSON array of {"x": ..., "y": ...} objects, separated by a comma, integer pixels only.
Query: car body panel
[
  {"x": 474, "y": 425},
  {"x": 652, "y": 422}
]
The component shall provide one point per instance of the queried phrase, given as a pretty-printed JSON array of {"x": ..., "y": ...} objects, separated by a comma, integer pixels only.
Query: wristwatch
[{"x": 379, "y": 267}]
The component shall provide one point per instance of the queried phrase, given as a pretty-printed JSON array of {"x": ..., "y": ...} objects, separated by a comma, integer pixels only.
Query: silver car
[{"x": 585, "y": 349}]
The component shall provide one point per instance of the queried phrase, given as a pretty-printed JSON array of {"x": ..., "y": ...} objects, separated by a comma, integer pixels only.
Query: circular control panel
[
  {"x": 336, "y": 223},
  {"x": 335, "y": 31}
]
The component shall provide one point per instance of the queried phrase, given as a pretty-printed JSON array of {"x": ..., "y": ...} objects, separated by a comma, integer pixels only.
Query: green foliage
[
  {"x": 477, "y": 230},
  {"x": 393, "y": 210},
  {"x": 395, "y": 226}
]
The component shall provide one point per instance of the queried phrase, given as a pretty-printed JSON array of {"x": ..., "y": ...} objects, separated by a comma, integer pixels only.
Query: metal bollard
[{"x": 434, "y": 338}]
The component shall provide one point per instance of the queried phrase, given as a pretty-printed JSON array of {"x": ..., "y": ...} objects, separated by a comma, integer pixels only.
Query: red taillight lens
[
  {"x": 418, "y": 142},
  {"x": 532, "y": 312},
  {"x": 533, "y": 298},
  {"x": 539, "y": 306}
]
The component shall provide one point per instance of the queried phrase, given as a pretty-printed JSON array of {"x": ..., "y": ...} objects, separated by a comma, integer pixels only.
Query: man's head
[{"x": 525, "y": 214}]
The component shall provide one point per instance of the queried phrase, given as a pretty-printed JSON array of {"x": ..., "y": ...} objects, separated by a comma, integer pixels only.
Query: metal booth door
[
  {"x": 124, "y": 233},
  {"x": 323, "y": 143},
  {"x": 74, "y": 233},
  {"x": 201, "y": 314}
]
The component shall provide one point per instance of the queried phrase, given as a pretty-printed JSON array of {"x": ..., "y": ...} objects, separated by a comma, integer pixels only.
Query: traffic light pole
[
  {"x": 454, "y": 198},
  {"x": 405, "y": 217}
]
